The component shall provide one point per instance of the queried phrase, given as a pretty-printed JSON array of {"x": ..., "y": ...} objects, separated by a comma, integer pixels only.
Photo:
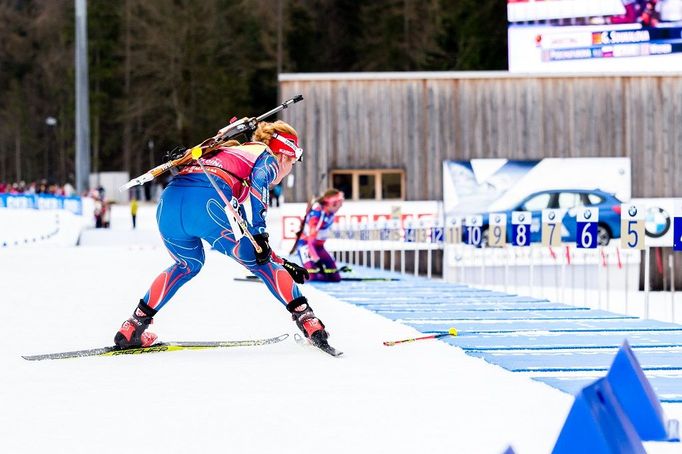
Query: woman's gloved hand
[
  {"x": 297, "y": 272},
  {"x": 263, "y": 256}
]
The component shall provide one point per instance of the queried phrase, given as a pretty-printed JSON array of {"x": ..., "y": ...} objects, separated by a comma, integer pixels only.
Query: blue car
[{"x": 565, "y": 199}]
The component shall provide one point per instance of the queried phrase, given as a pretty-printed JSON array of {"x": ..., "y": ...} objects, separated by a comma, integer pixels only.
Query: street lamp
[{"x": 51, "y": 122}]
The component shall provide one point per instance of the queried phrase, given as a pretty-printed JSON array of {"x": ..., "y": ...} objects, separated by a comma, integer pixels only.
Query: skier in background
[
  {"x": 314, "y": 231},
  {"x": 190, "y": 210}
]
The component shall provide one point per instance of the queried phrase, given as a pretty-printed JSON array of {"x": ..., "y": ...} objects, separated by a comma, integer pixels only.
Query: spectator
[
  {"x": 275, "y": 194},
  {"x": 650, "y": 17},
  {"x": 106, "y": 214},
  {"x": 99, "y": 207}
]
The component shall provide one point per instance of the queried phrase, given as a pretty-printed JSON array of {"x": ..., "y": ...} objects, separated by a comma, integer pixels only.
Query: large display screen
[{"x": 593, "y": 36}]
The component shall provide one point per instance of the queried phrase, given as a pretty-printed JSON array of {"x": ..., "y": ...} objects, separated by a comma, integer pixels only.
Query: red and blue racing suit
[
  {"x": 190, "y": 210},
  {"x": 310, "y": 245}
]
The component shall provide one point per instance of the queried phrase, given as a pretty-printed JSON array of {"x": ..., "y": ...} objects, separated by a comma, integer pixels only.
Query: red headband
[{"x": 286, "y": 144}]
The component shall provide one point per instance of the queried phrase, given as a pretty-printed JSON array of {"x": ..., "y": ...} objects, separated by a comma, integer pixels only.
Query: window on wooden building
[{"x": 363, "y": 184}]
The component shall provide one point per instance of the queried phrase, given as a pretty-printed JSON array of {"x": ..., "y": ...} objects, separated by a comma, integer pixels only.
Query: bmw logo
[
  {"x": 632, "y": 211},
  {"x": 521, "y": 217},
  {"x": 551, "y": 215},
  {"x": 473, "y": 221},
  {"x": 587, "y": 214},
  {"x": 497, "y": 219},
  {"x": 657, "y": 222}
]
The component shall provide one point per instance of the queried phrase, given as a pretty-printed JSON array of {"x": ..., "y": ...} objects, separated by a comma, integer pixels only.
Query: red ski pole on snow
[{"x": 450, "y": 332}]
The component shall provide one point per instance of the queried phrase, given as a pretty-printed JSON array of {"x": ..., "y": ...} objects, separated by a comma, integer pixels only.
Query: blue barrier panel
[
  {"x": 638, "y": 398},
  {"x": 41, "y": 202},
  {"x": 597, "y": 424}
]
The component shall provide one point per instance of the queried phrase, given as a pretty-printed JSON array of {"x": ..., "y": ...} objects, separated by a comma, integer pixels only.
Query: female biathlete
[
  {"x": 190, "y": 210},
  {"x": 314, "y": 232}
]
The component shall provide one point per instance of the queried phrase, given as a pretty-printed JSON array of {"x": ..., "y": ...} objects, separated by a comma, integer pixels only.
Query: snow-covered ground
[{"x": 284, "y": 398}]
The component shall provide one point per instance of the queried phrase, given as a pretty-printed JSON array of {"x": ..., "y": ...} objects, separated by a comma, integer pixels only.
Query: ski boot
[
  {"x": 311, "y": 326},
  {"x": 305, "y": 319},
  {"x": 132, "y": 333}
]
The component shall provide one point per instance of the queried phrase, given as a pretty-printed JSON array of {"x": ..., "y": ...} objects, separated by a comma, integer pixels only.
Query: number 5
[{"x": 632, "y": 232}]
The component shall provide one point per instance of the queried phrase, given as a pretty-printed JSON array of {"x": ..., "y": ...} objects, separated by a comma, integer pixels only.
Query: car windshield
[
  {"x": 569, "y": 200},
  {"x": 537, "y": 203},
  {"x": 593, "y": 199}
]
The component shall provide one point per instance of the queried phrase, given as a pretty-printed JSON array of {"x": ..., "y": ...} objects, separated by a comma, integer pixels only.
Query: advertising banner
[
  {"x": 500, "y": 184},
  {"x": 489, "y": 187},
  {"x": 42, "y": 202},
  {"x": 587, "y": 36}
]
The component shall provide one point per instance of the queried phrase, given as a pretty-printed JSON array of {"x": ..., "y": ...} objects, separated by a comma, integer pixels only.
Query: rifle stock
[{"x": 224, "y": 134}]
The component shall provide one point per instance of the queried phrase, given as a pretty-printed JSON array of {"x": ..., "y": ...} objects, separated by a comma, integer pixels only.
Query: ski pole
[
  {"x": 450, "y": 332},
  {"x": 196, "y": 154},
  {"x": 210, "y": 144}
]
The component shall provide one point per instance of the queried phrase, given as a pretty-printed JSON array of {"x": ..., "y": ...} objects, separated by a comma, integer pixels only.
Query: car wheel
[{"x": 603, "y": 236}]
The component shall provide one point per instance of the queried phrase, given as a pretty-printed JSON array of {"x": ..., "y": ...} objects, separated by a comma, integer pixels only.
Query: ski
[
  {"x": 350, "y": 279},
  {"x": 248, "y": 279},
  {"x": 322, "y": 345},
  {"x": 370, "y": 279},
  {"x": 157, "y": 348}
]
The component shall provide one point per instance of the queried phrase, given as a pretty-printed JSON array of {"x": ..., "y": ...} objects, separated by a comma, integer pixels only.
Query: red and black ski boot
[
  {"x": 311, "y": 326},
  {"x": 132, "y": 333}
]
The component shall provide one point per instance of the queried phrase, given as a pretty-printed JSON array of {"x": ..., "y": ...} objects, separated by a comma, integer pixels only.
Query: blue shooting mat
[
  {"x": 587, "y": 360},
  {"x": 565, "y": 346},
  {"x": 543, "y": 340},
  {"x": 455, "y": 316},
  {"x": 424, "y": 310},
  {"x": 468, "y": 327}
]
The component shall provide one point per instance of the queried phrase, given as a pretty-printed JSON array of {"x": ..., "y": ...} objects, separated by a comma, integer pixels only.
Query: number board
[
  {"x": 384, "y": 231},
  {"x": 453, "y": 230},
  {"x": 374, "y": 232},
  {"x": 422, "y": 230},
  {"x": 472, "y": 227},
  {"x": 632, "y": 232},
  {"x": 410, "y": 232},
  {"x": 395, "y": 231},
  {"x": 587, "y": 220},
  {"x": 363, "y": 232},
  {"x": 437, "y": 234},
  {"x": 551, "y": 227},
  {"x": 521, "y": 221},
  {"x": 677, "y": 225},
  {"x": 497, "y": 232}
]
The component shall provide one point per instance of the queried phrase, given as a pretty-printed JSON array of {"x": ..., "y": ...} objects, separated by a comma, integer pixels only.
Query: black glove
[
  {"x": 320, "y": 266},
  {"x": 176, "y": 153},
  {"x": 345, "y": 269},
  {"x": 297, "y": 272},
  {"x": 263, "y": 256}
]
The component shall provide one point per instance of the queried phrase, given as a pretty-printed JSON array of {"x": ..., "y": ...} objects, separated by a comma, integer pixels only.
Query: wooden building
[{"x": 407, "y": 123}]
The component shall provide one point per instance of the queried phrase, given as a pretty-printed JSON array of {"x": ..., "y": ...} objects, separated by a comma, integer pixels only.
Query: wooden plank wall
[{"x": 416, "y": 123}]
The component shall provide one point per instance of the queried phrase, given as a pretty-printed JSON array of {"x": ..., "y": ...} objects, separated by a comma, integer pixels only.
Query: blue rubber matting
[{"x": 564, "y": 346}]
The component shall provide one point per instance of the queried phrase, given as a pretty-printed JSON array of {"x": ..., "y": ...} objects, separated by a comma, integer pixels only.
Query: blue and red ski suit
[
  {"x": 190, "y": 210},
  {"x": 310, "y": 245}
]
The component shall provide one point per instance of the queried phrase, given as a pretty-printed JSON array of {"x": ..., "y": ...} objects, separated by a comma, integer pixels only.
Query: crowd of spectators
[
  {"x": 102, "y": 207},
  {"x": 37, "y": 187}
]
